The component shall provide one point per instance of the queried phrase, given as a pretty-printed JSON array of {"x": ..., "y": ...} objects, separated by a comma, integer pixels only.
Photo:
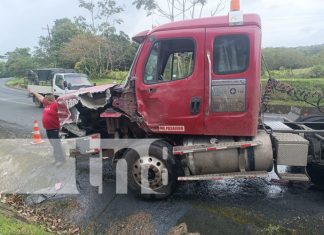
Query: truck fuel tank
[{"x": 254, "y": 158}]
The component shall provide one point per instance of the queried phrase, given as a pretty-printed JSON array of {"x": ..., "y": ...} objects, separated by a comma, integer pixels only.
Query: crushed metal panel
[
  {"x": 95, "y": 100},
  {"x": 74, "y": 129},
  {"x": 127, "y": 102}
]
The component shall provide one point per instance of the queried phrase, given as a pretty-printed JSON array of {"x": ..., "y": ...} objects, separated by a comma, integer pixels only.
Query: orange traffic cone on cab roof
[{"x": 36, "y": 136}]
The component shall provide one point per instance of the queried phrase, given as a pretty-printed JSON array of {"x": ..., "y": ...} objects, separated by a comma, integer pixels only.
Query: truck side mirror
[
  {"x": 132, "y": 82},
  {"x": 69, "y": 86},
  {"x": 65, "y": 84}
]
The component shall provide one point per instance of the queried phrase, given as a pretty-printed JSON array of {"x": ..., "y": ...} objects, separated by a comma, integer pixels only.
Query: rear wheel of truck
[
  {"x": 315, "y": 170},
  {"x": 151, "y": 170},
  {"x": 316, "y": 173}
]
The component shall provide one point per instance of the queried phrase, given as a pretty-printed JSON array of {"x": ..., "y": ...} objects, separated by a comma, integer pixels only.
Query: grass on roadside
[
  {"x": 13, "y": 226},
  {"x": 15, "y": 82},
  {"x": 309, "y": 85},
  {"x": 112, "y": 77}
]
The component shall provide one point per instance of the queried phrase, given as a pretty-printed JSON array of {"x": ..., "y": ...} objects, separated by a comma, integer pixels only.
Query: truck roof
[{"x": 208, "y": 22}]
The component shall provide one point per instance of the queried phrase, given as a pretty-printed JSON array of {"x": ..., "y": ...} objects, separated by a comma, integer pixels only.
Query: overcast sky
[{"x": 285, "y": 22}]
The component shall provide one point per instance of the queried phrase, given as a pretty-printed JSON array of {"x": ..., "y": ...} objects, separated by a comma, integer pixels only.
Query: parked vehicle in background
[{"x": 55, "y": 81}]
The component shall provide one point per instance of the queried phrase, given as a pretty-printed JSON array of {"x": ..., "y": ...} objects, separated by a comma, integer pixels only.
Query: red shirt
[{"x": 50, "y": 116}]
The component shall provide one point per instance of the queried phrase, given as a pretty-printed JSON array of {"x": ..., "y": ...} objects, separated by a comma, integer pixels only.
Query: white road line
[{"x": 16, "y": 102}]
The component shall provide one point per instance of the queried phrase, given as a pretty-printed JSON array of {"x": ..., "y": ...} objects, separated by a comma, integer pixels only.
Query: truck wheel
[
  {"x": 315, "y": 171},
  {"x": 160, "y": 179}
]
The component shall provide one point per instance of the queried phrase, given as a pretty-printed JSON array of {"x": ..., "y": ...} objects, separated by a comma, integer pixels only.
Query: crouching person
[{"x": 51, "y": 124}]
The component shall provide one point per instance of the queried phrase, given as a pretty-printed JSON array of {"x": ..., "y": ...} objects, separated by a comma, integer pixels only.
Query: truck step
[
  {"x": 180, "y": 150},
  {"x": 293, "y": 177},
  {"x": 226, "y": 176}
]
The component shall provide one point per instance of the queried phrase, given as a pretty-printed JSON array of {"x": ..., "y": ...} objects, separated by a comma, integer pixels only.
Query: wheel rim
[{"x": 154, "y": 169}]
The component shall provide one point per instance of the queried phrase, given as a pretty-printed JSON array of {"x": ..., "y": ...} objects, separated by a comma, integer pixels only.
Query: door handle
[
  {"x": 152, "y": 90},
  {"x": 195, "y": 105}
]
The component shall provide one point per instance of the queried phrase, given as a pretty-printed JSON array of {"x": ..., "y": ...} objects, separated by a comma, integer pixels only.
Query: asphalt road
[
  {"x": 226, "y": 207},
  {"x": 17, "y": 108}
]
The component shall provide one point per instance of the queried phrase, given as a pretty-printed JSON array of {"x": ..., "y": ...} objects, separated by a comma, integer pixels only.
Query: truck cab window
[
  {"x": 170, "y": 60},
  {"x": 59, "y": 81},
  {"x": 231, "y": 54}
]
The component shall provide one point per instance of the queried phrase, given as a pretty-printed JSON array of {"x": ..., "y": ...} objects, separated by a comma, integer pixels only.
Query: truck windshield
[{"x": 77, "y": 79}]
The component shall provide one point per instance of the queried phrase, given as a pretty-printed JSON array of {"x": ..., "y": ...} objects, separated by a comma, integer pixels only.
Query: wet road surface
[
  {"x": 257, "y": 206},
  {"x": 17, "y": 108},
  {"x": 225, "y": 207}
]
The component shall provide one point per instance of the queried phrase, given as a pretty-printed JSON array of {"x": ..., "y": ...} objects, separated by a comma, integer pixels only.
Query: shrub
[{"x": 316, "y": 72}]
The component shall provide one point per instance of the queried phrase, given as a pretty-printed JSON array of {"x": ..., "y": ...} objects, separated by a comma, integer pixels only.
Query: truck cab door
[
  {"x": 233, "y": 71},
  {"x": 170, "y": 81},
  {"x": 58, "y": 85}
]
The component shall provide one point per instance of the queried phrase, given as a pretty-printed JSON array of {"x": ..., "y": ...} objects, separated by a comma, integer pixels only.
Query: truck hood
[{"x": 91, "y": 97}]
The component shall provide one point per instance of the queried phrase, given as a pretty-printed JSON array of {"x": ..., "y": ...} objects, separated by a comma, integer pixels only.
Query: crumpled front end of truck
[{"x": 79, "y": 112}]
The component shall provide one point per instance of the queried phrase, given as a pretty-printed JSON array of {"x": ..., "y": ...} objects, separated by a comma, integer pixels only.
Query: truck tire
[
  {"x": 314, "y": 171},
  {"x": 152, "y": 186}
]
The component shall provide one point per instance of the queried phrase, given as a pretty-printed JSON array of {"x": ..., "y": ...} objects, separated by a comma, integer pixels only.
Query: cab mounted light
[
  {"x": 235, "y": 16},
  {"x": 235, "y": 5}
]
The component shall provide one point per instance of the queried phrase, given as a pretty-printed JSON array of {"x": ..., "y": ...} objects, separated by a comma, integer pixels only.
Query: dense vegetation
[
  {"x": 92, "y": 43},
  {"x": 309, "y": 61},
  {"x": 94, "y": 47}
]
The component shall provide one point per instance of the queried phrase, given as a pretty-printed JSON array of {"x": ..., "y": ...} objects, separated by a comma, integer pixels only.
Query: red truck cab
[
  {"x": 200, "y": 77},
  {"x": 194, "y": 87}
]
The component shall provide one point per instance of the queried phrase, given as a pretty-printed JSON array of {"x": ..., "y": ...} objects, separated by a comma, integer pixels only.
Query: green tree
[
  {"x": 42, "y": 53},
  {"x": 288, "y": 58},
  {"x": 19, "y": 61},
  {"x": 173, "y": 9},
  {"x": 86, "y": 51},
  {"x": 103, "y": 16},
  {"x": 62, "y": 32},
  {"x": 3, "y": 72},
  {"x": 317, "y": 72},
  {"x": 96, "y": 55},
  {"x": 47, "y": 54},
  {"x": 120, "y": 50}
]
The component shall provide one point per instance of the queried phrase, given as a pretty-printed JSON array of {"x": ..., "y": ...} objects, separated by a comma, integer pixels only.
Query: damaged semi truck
[{"x": 195, "y": 87}]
